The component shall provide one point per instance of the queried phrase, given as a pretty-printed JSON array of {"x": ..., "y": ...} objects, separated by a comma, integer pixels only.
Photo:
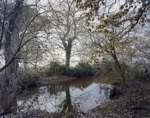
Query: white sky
[{"x": 44, "y": 2}]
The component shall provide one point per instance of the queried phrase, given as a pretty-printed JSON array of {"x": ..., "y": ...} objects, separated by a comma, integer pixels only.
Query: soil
[
  {"x": 133, "y": 102},
  {"x": 55, "y": 79}
]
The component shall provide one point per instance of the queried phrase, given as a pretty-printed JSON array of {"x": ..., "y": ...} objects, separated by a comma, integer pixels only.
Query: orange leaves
[
  {"x": 103, "y": 58},
  {"x": 96, "y": 60},
  {"x": 100, "y": 27},
  {"x": 105, "y": 22},
  {"x": 89, "y": 30},
  {"x": 116, "y": 25},
  {"x": 103, "y": 3},
  {"x": 93, "y": 19},
  {"x": 143, "y": 25},
  {"x": 87, "y": 23},
  {"x": 118, "y": 15},
  {"x": 110, "y": 38},
  {"x": 105, "y": 31},
  {"x": 87, "y": 14},
  {"x": 121, "y": 7}
]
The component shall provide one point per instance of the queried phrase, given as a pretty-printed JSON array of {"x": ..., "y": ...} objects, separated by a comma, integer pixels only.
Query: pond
[{"x": 80, "y": 95}]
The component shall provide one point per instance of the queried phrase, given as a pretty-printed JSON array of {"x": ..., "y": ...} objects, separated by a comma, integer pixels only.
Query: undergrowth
[{"x": 80, "y": 70}]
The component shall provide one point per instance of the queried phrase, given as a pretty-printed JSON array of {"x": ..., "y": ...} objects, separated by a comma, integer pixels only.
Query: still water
[{"x": 80, "y": 95}]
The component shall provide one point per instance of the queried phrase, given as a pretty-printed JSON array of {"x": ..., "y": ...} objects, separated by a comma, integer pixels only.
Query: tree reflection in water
[
  {"x": 67, "y": 103},
  {"x": 67, "y": 97}
]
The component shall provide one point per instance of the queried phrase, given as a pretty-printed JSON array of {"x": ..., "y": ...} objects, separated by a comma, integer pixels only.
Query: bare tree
[
  {"x": 12, "y": 41},
  {"x": 29, "y": 25},
  {"x": 66, "y": 26},
  {"x": 16, "y": 31}
]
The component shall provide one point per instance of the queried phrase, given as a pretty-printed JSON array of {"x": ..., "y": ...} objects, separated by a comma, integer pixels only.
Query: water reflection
[
  {"x": 67, "y": 106},
  {"x": 82, "y": 95}
]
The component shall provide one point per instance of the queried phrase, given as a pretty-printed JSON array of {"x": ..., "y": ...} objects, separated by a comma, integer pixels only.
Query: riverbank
[
  {"x": 55, "y": 79},
  {"x": 133, "y": 102}
]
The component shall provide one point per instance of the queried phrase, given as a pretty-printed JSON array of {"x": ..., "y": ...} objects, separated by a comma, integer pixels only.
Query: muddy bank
[
  {"x": 55, "y": 79},
  {"x": 133, "y": 103},
  {"x": 44, "y": 114}
]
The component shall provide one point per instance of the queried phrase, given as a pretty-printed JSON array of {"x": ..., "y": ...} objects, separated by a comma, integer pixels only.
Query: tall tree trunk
[
  {"x": 120, "y": 70},
  {"x": 121, "y": 73},
  {"x": 8, "y": 90},
  {"x": 68, "y": 55},
  {"x": 12, "y": 41},
  {"x": 68, "y": 48}
]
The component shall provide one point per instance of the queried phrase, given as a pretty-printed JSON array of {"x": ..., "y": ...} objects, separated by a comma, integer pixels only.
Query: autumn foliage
[{"x": 112, "y": 22}]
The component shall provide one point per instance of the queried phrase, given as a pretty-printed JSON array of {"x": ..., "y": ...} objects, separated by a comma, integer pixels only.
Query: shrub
[
  {"x": 55, "y": 68},
  {"x": 7, "y": 101},
  {"x": 109, "y": 71},
  {"x": 136, "y": 73},
  {"x": 84, "y": 70},
  {"x": 27, "y": 79},
  {"x": 80, "y": 70},
  {"x": 8, "y": 94}
]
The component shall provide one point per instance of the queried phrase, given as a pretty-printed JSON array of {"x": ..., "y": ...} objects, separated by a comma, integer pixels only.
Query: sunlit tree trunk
[
  {"x": 68, "y": 54},
  {"x": 68, "y": 48}
]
